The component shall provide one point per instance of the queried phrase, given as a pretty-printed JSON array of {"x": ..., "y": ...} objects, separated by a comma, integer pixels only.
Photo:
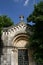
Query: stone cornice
[{"x": 14, "y": 28}]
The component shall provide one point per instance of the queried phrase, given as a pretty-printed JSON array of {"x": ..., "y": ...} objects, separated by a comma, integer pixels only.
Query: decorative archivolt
[{"x": 20, "y": 40}]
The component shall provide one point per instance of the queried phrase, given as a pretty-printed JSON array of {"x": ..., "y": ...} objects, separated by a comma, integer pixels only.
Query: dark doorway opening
[{"x": 23, "y": 57}]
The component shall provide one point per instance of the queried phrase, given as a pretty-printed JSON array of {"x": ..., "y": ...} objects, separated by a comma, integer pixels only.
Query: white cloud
[{"x": 26, "y": 2}]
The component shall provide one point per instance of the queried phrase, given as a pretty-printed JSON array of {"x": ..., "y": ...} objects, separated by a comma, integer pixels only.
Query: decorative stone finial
[{"x": 21, "y": 17}]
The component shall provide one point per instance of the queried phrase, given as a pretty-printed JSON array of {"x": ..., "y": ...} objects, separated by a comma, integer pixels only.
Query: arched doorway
[{"x": 21, "y": 52}]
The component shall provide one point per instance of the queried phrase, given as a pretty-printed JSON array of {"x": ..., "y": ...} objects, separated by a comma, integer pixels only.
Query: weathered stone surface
[{"x": 13, "y": 39}]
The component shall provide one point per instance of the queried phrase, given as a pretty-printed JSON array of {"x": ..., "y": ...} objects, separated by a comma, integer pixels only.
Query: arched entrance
[{"x": 20, "y": 51}]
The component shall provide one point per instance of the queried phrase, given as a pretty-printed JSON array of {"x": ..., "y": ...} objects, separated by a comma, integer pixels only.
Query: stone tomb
[{"x": 15, "y": 52}]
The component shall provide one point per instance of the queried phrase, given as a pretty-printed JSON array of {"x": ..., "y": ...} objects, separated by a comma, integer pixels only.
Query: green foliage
[
  {"x": 36, "y": 39},
  {"x": 5, "y": 21}
]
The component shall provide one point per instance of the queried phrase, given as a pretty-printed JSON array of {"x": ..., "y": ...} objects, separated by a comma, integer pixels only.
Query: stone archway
[{"x": 20, "y": 40}]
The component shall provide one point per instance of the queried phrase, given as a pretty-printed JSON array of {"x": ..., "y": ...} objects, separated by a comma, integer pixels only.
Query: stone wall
[{"x": 14, "y": 38}]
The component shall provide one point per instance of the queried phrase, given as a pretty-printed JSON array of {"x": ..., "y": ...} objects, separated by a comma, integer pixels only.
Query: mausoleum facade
[{"x": 15, "y": 52}]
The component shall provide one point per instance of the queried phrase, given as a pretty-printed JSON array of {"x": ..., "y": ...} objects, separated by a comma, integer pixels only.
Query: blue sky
[{"x": 15, "y": 8}]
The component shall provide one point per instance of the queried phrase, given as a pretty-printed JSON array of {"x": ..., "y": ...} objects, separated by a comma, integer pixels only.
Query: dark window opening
[{"x": 23, "y": 57}]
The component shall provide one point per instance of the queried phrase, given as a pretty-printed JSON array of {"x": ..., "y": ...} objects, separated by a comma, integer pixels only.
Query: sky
[{"x": 16, "y": 8}]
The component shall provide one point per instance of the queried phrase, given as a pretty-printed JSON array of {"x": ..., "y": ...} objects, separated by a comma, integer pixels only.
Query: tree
[
  {"x": 5, "y": 21},
  {"x": 36, "y": 39}
]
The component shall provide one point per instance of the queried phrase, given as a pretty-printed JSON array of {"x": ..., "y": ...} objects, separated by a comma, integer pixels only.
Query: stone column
[{"x": 14, "y": 57}]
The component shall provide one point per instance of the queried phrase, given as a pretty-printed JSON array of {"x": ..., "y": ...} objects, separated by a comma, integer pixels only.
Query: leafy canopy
[
  {"x": 36, "y": 39},
  {"x": 5, "y": 21}
]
